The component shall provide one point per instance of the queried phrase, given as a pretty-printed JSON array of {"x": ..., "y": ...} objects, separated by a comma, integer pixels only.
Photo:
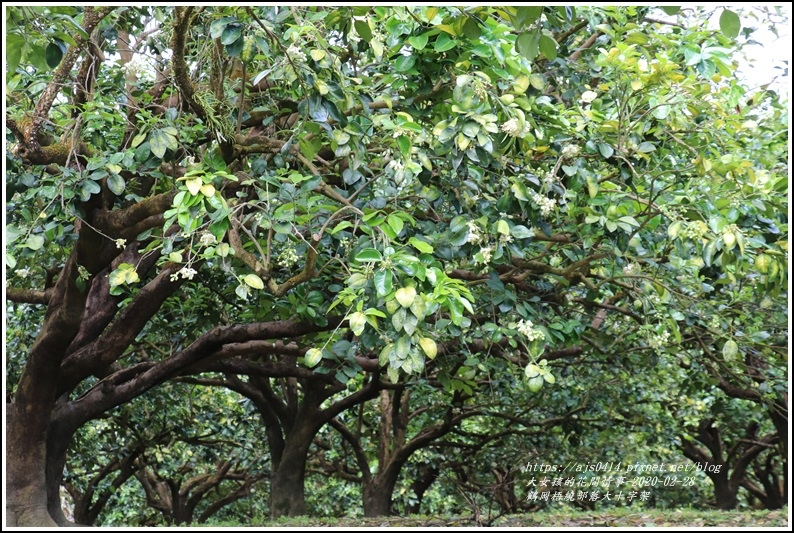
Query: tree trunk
[
  {"x": 377, "y": 497},
  {"x": 724, "y": 492},
  {"x": 287, "y": 481},
  {"x": 26, "y": 481}
]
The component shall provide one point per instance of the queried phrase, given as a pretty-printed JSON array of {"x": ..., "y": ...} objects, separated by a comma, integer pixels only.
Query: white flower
[
  {"x": 207, "y": 239},
  {"x": 631, "y": 269},
  {"x": 121, "y": 243},
  {"x": 546, "y": 205},
  {"x": 296, "y": 53},
  {"x": 186, "y": 272},
  {"x": 528, "y": 330},
  {"x": 486, "y": 253},
  {"x": 475, "y": 235},
  {"x": 570, "y": 151},
  {"x": 659, "y": 340},
  {"x": 511, "y": 128},
  {"x": 23, "y": 272},
  {"x": 396, "y": 166}
]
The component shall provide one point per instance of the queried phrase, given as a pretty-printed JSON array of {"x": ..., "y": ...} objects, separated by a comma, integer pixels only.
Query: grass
[{"x": 625, "y": 517}]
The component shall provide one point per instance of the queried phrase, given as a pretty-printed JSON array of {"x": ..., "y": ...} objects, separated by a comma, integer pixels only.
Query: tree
[
  {"x": 325, "y": 200},
  {"x": 190, "y": 460}
]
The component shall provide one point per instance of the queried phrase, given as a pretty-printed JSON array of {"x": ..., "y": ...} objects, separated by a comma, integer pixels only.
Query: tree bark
[
  {"x": 377, "y": 496},
  {"x": 287, "y": 496},
  {"x": 26, "y": 456}
]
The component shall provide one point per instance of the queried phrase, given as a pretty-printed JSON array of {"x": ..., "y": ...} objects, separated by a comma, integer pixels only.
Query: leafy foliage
[{"x": 550, "y": 222}]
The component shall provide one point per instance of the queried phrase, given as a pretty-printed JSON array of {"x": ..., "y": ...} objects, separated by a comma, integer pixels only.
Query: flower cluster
[
  {"x": 396, "y": 166},
  {"x": 295, "y": 53},
  {"x": 546, "y": 205},
  {"x": 632, "y": 269},
  {"x": 480, "y": 87},
  {"x": 570, "y": 151},
  {"x": 475, "y": 233},
  {"x": 207, "y": 239},
  {"x": 121, "y": 243},
  {"x": 695, "y": 229},
  {"x": 528, "y": 330},
  {"x": 137, "y": 67},
  {"x": 486, "y": 252},
  {"x": 657, "y": 341},
  {"x": 186, "y": 272},
  {"x": 549, "y": 179},
  {"x": 23, "y": 272},
  {"x": 512, "y": 128},
  {"x": 289, "y": 257}
]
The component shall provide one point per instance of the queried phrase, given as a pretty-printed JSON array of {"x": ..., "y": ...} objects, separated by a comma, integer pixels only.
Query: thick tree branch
[{"x": 28, "y": 296}]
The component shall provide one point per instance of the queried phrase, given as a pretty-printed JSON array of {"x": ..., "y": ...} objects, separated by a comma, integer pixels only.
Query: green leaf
[
  {"x": 730, "y": 23},
  {"x": 422, "y": 246},
  {"x": 730, "y": 350},
  {"x": 444, "y": 42},
  {"x": 674, "y": 229},
  {"x": 548, "y": 47},
  {"x": 418, "y": 41},
  {"x": 535, "y": 384},
  {"x": 53, "y": 55},
  {"x": 404, "y": 143},
  {"x": 527, "y": 45},
  {"x": 358, "y": 322},
  {"x": 519, "y": 191},
  {"x": 429, "y": 347},
  {"x": 116, "y": 184},
  {"x": 671, "y": 10},
  {"x": 502, "y": 227},
  {"x": 385, "y": 354},
  {"x": 35, "y": 242},
  {"x": 398, "y": 318},
  {"x": 158, "y": 143},
  {"x": 521, "y": 232},
  {"x": 395, "y": 222},
  {"x": 526, "y": 16},
  {"x": 357, "y": 281},
  {"x": 592, "y": 186},
  {"x": 363, "y": 30},
  {"x": 138, "y": 139},
  {"x": 606, "y": 150},
  {"x": 368, "y": 255},
  {"x": 405, "y": 296},
  {"x": 217, "y": 26},
  {"x": 254, "y": 281},
  {"x": 14, "y": 46},
  {"x": 312, "y": 357},
  {"x": 404, "y": 63},
  {"x": 383, "y": 282},
  {"x": 12, "y": 233},
  {"x": 231, "y": 33}
]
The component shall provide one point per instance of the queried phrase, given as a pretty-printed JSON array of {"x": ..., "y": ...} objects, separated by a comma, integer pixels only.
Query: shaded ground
[{"x": 613, "y": 518}]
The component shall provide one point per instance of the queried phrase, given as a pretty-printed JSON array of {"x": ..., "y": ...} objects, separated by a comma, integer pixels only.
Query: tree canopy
[{"x": 386, "y": 246}]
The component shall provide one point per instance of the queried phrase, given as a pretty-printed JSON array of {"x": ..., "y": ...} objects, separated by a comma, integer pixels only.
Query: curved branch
[
  {"x": 28, "y": 296},
  {"x": 131, "y": 382}
]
